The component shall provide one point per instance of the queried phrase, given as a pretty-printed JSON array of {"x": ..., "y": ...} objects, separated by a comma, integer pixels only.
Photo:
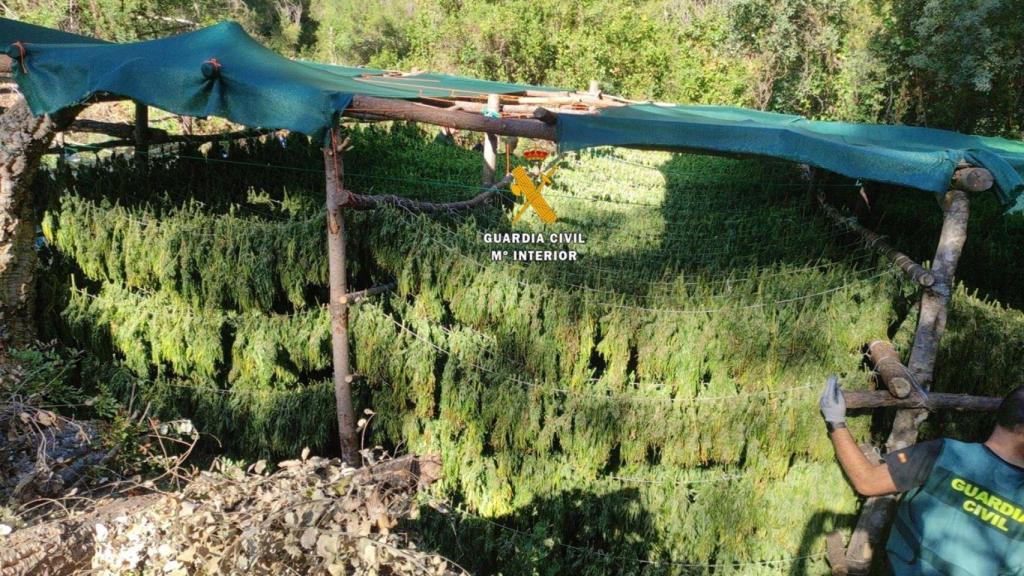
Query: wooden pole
[
  {"x": 934, "y": 303},
  {"x": 491, "y": 143},
  {"x": 389, "y": 109},
  {"x": 972, "y": 179},
  {"x": 369, "y": 202},
  {"x": 141, "y": 132},
  {"x": 915, "y": 271},
  {"x": 870, "y": 399},
  {"x": 595, "y": 87},
  {"x": 931, "y": 323},
  {"x": 337, "y": 196},
  {"x": 891, "y": 371}
]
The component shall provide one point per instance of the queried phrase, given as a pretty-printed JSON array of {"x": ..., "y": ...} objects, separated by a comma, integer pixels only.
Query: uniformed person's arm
[{"x": 868, "y": 478}]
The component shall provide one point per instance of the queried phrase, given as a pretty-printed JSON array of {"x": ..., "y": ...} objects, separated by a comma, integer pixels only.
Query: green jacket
[{"x": 966, "y": 520}]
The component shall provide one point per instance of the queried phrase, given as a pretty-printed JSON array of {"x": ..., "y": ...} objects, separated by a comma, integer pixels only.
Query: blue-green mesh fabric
[
  {"x": 257, "y": 87},
  {"x": 922, "y": 158},
  {"x": 254, "y": 85}
]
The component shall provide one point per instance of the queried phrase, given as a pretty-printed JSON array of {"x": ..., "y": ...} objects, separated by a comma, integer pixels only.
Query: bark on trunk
[{"x": 24, "y": 139}]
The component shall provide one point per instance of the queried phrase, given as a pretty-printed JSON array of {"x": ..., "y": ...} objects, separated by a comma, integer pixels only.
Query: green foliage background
[{"x": 955, "y": 64}]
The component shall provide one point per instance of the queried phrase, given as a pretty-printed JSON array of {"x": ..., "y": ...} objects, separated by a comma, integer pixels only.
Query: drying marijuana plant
[{"x": 659, "y": 392}]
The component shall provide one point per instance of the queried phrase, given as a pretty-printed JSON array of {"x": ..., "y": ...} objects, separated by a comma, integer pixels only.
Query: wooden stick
[
  {"x": 915, "y": 271},
  {"x": 972, "y": 179},
  {"x": 173, "y": 139},
  {"x": 403, "y": 110},
  {"x": 891, "y": 371},
  {"x": 353, "y": 297},
  {"x": 868, "y": 400},
  {"x": 518, "y": 109},
  {"x": 141, "y": 131},
  {"x": 336, "y": 194}
]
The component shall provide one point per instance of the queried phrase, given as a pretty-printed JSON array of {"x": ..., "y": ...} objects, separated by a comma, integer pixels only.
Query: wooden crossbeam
[
  {"x": 353, "y": 297},
  {"x": 872, "y": 399},
  {"x": 389, "y": 109}
]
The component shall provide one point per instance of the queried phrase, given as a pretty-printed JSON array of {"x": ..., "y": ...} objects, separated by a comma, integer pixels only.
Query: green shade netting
[
  {"x": 257, "y": 87},
  {"x": 253, "y": 85},
  {"x": 922, "y": 158}
]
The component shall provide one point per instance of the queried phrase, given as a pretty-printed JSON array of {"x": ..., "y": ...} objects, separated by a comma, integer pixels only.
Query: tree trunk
[
  {"x": 24, "y": 139},
  {"x": 931, "y": 324}
]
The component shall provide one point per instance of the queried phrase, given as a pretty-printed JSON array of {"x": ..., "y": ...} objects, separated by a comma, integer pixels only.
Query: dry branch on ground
[{"x": 311, "y": 516}]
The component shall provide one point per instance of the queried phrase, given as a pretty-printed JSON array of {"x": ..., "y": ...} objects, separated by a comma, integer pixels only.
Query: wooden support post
[
  {"x": 337, "y": 196},
  {"x": 931, "y": 323},
  {"x": 891, "y": 371},
  {"x": 141, "y": 132},
  {"x": 491, "y": 143}
]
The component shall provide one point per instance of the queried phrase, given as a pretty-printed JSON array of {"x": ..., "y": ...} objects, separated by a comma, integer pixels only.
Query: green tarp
[
  {"x": 922, "y": 158},
  {"x": 257, "y": 87},
  {"x": 249, "y": 84}
]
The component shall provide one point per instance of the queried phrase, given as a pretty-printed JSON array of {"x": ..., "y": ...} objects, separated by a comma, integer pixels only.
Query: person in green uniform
[{"x": 962, "y": 513}]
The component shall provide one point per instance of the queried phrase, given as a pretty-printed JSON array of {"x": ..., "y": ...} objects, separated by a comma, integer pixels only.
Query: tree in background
[{"x": 955, "y": 64}]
